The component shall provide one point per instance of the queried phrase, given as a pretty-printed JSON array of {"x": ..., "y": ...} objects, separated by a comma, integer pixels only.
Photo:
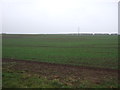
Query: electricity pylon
[{"x": 78, "y": 30}]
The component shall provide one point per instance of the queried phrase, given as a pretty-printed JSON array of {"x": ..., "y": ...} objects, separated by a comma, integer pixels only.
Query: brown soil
[{"x": 64, "y": 73}]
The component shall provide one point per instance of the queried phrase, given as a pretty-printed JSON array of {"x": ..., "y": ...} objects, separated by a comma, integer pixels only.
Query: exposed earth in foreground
[{"x": 68, "y": 75}]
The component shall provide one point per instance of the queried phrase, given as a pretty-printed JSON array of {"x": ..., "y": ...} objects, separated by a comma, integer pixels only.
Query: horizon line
[{"x": 64, "y": 33}]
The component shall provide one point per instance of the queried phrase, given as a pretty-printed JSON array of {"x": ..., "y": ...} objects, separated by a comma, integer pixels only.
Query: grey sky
[{"x": 59, "y": 16}]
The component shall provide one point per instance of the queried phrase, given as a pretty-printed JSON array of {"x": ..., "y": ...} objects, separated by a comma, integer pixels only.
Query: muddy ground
[{"x": 66, "y": 74}]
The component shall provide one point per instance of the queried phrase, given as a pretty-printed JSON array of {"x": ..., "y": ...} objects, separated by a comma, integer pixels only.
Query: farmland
[{"x": 71, "y": 51}]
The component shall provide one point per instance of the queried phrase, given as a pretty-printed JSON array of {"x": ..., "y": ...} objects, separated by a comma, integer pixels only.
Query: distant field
[{"x": 85, "y": 50}]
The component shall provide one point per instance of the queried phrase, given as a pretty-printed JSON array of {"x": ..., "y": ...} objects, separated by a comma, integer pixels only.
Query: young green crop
[{"x": 85, "y": 50}]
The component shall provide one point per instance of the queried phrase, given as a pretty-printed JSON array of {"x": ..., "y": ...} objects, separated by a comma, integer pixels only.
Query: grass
[
  {"x": 86, "y": 50},
  {"x": 27, "y": 81}
]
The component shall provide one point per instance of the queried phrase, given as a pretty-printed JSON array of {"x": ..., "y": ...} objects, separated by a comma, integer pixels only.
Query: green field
[
  {"x": 85, "y": 50},
  {"x": 96, "y": 51}
]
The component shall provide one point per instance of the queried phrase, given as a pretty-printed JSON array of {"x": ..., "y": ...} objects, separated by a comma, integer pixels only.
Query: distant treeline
[
  {"x": 84, "y": 34},
  {"x": 96, "y": 34}
]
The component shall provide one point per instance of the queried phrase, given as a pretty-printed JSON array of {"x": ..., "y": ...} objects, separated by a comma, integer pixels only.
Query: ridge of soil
[{"x": 60, "y": 65}]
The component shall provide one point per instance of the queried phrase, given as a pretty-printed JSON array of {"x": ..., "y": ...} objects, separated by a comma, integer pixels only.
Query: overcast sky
[{"x": 59, "y": 16}]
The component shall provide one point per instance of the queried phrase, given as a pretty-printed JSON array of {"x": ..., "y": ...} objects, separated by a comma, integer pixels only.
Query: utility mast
[{"x": 78, "y": 30}]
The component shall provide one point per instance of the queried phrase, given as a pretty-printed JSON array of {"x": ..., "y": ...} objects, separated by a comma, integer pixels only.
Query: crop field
[{"x": 63, "y": 61}]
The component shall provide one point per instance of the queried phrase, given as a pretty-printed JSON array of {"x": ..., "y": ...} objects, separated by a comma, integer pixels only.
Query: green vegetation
[
  {"x": 86, "y": 50},
  {"x": 27, "y": 81},
  {"x": 24, "y": 80}
]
